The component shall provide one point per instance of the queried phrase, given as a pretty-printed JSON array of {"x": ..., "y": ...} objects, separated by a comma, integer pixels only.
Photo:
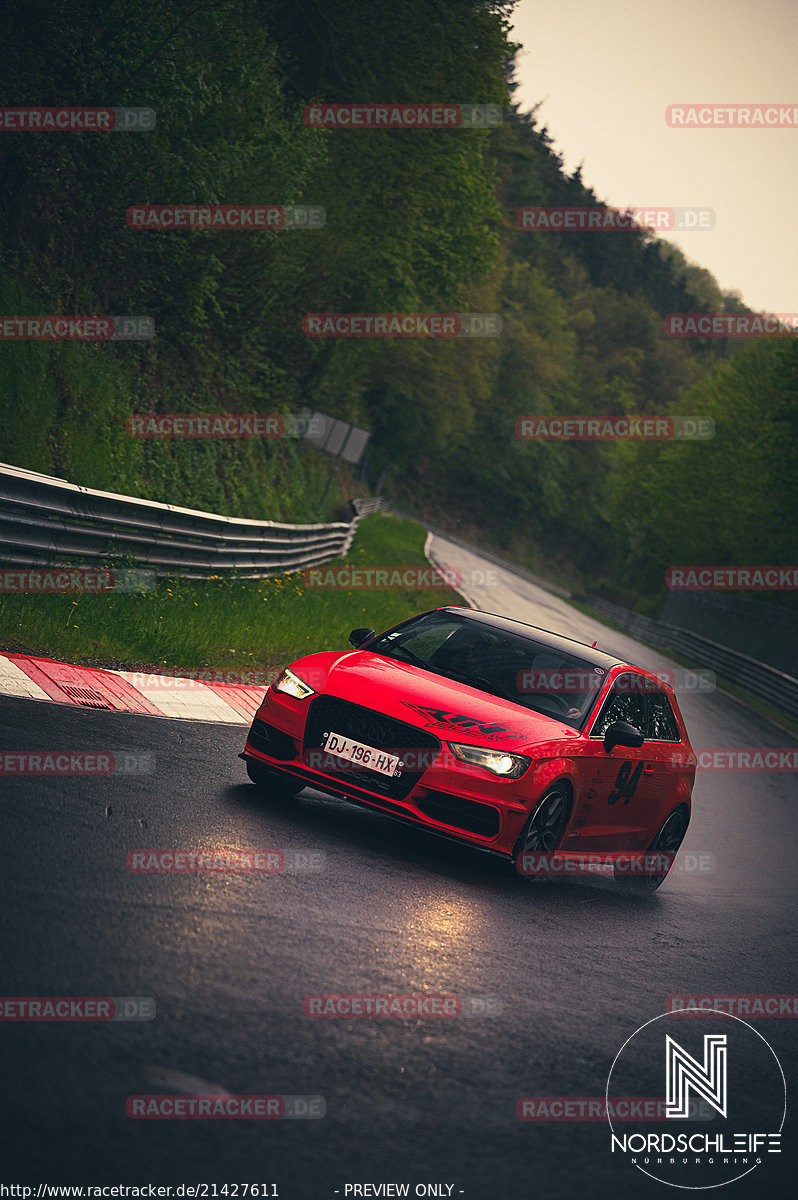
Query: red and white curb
[{"x": 30, "y": 678}]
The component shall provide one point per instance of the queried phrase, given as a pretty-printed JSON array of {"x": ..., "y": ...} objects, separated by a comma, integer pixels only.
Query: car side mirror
[
  {"x": 621, "y": 733},
  {"x": 358, "y": 636}
]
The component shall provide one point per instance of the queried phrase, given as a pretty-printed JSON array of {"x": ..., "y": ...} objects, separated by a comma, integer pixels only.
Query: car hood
[{"x": 452, "y": 710}]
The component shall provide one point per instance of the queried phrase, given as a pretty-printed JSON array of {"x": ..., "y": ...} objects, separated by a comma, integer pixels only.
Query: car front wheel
[{"x": 543, "y": 831}]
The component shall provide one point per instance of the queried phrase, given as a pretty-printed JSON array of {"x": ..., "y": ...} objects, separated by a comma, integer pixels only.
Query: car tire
[
  {"x": 669, "y": 839},
  {"x": 544, "y": 829},
  {"x": 273, "y": 784}
]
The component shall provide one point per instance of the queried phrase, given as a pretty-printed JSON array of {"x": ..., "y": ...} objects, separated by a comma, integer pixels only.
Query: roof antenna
[{"x": 595, "y": 643}]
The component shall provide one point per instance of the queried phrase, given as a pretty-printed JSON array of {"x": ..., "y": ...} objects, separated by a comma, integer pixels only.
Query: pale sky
[{"x": 606, "y": 71}]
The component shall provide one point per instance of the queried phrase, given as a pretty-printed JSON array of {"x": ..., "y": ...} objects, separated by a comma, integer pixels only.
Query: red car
[{"x": 483, "y": 729}]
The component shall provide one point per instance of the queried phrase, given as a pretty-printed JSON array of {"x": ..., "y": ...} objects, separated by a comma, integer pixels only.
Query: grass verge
[{"x": 226, "y": 625}]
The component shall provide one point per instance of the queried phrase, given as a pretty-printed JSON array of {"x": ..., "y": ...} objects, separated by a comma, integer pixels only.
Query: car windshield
[{"x": 502, "y": 662}]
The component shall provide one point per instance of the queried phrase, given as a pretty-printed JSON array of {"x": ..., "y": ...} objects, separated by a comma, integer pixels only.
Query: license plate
[{"x": 361, "y": 755}]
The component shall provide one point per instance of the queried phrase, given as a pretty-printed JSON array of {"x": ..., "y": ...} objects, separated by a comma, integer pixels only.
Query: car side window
[
  {"x": 626, "y": 702},
  {"x": 662, "y": 724}
]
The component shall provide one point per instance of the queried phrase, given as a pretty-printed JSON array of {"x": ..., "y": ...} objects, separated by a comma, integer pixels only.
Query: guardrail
[
  {"x": 48, "y": 520},
  {"x": 363, "y": 508},
  {"x": 777, "y": 687}
]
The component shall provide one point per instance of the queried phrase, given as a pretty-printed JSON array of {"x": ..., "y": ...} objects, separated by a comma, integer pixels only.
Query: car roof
[{"x": 556, "y": 641}]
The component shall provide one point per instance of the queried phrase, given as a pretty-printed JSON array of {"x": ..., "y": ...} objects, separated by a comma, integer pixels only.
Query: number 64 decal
[{"x": 625, "y": 783}]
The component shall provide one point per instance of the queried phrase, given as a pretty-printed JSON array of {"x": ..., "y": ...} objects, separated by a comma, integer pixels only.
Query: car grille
[{"x": 329, "y": 714}]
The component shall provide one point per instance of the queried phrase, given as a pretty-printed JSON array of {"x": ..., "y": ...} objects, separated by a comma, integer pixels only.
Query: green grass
[{"x": 223, "y": 624}]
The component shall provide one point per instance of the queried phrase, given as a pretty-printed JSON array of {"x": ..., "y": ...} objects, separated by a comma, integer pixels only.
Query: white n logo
[{"x": 684, "y": 1072}]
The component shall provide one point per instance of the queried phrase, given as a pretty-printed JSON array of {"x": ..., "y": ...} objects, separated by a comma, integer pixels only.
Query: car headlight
[
  {"x": 292, "y": 685},
  {"x": 509, "y": 766}
]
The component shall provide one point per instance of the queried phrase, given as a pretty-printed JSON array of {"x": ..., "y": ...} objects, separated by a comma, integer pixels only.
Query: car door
[
  {"x": 621, "y": 784},
  {"x": 664, "y": 761}
]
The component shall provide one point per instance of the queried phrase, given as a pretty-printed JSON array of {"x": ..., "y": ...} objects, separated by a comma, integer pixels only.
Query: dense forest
[{"x": 416, "y": 221}]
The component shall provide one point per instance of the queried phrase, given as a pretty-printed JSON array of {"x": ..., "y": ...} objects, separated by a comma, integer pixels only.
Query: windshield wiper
[
  {"x": 414, "y": 659},
  {"x": 485, "y": 685},
  {"x": 496, "y": 689}
]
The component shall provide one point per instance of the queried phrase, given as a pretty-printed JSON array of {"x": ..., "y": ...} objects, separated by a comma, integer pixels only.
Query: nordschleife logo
[
  {"x": 683, "y": 1074},
  {"x": 731, "y": 1070}
]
